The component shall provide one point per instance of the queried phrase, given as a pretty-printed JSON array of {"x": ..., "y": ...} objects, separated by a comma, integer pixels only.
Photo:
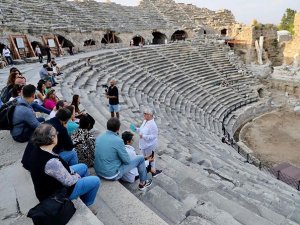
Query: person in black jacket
[
  {"x": 64, "y": 147},
  {"x": 50, "y": 173}
]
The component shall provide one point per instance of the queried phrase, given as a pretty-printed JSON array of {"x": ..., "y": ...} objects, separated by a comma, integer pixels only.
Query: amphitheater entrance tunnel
[
  {"x": 34, "y": 44},
  {"x": 137, "y": 40},
  {"x": 110, "y": 38},
  {"x": 89, "y": 42},
  {"x": 65, "y": 43},
  {"x": 1, "y": 47},
  {"x": 158, "y": 38},
  {"x": 224, "y": 32},
  {"x": 179, "y": 35}
]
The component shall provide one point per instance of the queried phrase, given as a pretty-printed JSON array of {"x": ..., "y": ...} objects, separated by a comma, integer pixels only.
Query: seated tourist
[
  {"x": 55, "y": 68},
  {"x": 40, "y": 92},
  {"x": 38, "y": 102},
  {"x": 84, "y": 141},
  {"x": 59, "y": 105},
  {"x": 76, "y": 103},
  {"x": 50, "y": 173},
  {"x": 24, "y": 120},
  {"x": 72, "y": 126},
  {"x": 48, "y": 85},
  {"x": 111, "y": 159},
  {"x": 64, "y": 147},
  {"x": 133, "y": 174},
  {"x": 47, "y": 75},
  {"x": 16, "y": 91},
  {"x": 50, "y": 100},
  {"x": 11, "y": 81}
]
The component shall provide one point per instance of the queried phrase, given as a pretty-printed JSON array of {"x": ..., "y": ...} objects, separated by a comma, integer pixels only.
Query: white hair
[
  {"x": 149, "y": 110},
  {"x": 113, "y": 80}
]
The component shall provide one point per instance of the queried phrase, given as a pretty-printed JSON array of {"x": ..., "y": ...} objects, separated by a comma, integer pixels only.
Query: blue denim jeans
[
  {"x": 86, "y": 187},
  {"x": 38, "y": 108},
  {"x": 138, "y": 162},
  {"x": 70, "y": 157}
]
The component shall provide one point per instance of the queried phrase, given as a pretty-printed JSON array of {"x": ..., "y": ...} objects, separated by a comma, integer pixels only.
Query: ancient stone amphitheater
[{"x": 204, "y": 181}]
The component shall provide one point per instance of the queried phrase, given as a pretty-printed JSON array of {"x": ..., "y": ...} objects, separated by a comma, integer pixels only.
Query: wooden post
[
  {"x": 14, "y": 49},
  {"x": 31, "y": 51}
]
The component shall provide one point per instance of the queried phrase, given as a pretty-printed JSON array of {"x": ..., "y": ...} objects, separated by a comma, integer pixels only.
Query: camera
[{"x": 105, "y": 86}]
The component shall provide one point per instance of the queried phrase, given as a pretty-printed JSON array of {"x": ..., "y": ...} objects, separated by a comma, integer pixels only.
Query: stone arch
[
  {"x": 137, "y": 40},
  {"x": 158, "y": 38},
  {"x": 110, "y": 38},
  {"x": 2, "y": 47},
  {"x": 224, "y": 32},
  {"x": 89, "y": 42},
  {"x": 261, "y": 92},
  {"x": 65, "y": 43},
  {"x": 179, "y": 35},
  {"x": 42, "y": 47}
]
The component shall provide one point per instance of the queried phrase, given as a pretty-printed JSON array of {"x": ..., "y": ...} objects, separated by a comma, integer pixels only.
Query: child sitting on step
[{"x": 132, "y": 175}]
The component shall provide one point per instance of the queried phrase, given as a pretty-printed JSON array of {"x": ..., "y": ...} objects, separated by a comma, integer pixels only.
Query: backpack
[
  {"x": 6, "y": 114},
  {"x": 5, "y": 93},
  {"x": 55, "y": 210}
]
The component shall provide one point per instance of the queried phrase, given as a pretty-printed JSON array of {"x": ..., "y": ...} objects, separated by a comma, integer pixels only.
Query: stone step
[{"x": 18, "y": 197}]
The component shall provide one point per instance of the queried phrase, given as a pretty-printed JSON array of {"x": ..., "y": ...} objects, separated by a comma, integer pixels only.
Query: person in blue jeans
[
  {"x": 112, "y": 160},
  {"x": 50, "y": 173}
]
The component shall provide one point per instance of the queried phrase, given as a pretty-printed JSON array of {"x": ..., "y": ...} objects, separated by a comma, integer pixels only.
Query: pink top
[{"x": 49, "y": 104}]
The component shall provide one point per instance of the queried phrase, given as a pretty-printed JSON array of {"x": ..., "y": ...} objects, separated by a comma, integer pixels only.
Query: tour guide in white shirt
[{"x": 148, "y": 132}]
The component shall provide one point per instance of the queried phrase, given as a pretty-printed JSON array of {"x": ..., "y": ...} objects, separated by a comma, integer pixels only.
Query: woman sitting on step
[{"x": 51, "y": 173}]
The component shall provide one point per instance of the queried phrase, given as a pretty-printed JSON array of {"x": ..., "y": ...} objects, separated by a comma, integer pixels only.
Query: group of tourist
[{"x": 61, "y": 146}]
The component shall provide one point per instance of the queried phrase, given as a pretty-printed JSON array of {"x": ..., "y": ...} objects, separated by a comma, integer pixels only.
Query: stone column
[{"x": 259, "y": 49}]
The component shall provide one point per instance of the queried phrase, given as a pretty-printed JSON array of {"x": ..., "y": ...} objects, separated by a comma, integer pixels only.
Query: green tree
[{"x": 287, "y": 20}]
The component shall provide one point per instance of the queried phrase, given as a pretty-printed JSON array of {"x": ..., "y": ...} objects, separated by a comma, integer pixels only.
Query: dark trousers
[
  {"x": 40, "y": 58},
  {"x": 9, "y": 60}
]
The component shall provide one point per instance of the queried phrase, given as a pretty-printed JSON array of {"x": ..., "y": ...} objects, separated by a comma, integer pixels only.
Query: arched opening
[
  {"x": 1, "y": 47},
  {"x": 158, "y": 38},
  {"x": 204, "y": 32},
  {"x": 65, "y": 43},
  {"x": 89, "y": 42},
  {"x": 137, "y": 40},
  {"x": 179, "y": 35},
  {"x": 224, "y": 32},
  {"x": 261, "y": 92},
  {"x": 42, "y": 47},
  {"x": 110, "y": 38}
]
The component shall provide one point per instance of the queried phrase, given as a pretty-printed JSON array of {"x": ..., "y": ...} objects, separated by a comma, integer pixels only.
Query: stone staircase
[{"x": 204, "y": 181}]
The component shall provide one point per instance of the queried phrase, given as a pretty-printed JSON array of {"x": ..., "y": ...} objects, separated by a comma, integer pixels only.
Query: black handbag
[{"x": 57, "y": 209}]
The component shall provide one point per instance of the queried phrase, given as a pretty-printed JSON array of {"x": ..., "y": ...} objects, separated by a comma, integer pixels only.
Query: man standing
[
  {"x": 148, "y": 132},
  {"x": 113, "y": 96},
  {"x": 6, "y": 54},
  {"x": 48, "y": 51},
  {"x": 112, "y": 160}
]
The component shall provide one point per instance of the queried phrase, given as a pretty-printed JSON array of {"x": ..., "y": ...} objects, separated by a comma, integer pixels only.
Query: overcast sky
[{"x": 265, "y": 11}]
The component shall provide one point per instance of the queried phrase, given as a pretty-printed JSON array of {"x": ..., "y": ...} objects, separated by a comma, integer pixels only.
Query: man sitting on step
[{"x": 112, "y": 160}]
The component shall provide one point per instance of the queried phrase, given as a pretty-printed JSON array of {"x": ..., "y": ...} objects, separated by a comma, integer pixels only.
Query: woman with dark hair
[
  {"x": 84, "y": 141},
  {"x": 40, "y": 92},
  {"x": 76, "y": 103},
  {"x": 50, "y": 173}
]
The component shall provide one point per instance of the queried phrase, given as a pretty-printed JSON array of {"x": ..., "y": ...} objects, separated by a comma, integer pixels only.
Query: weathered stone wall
[
  {"x": 293, "y": 88},
  {"x": 292, "y": 48},
  {"x": 249, "y": 34}
]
